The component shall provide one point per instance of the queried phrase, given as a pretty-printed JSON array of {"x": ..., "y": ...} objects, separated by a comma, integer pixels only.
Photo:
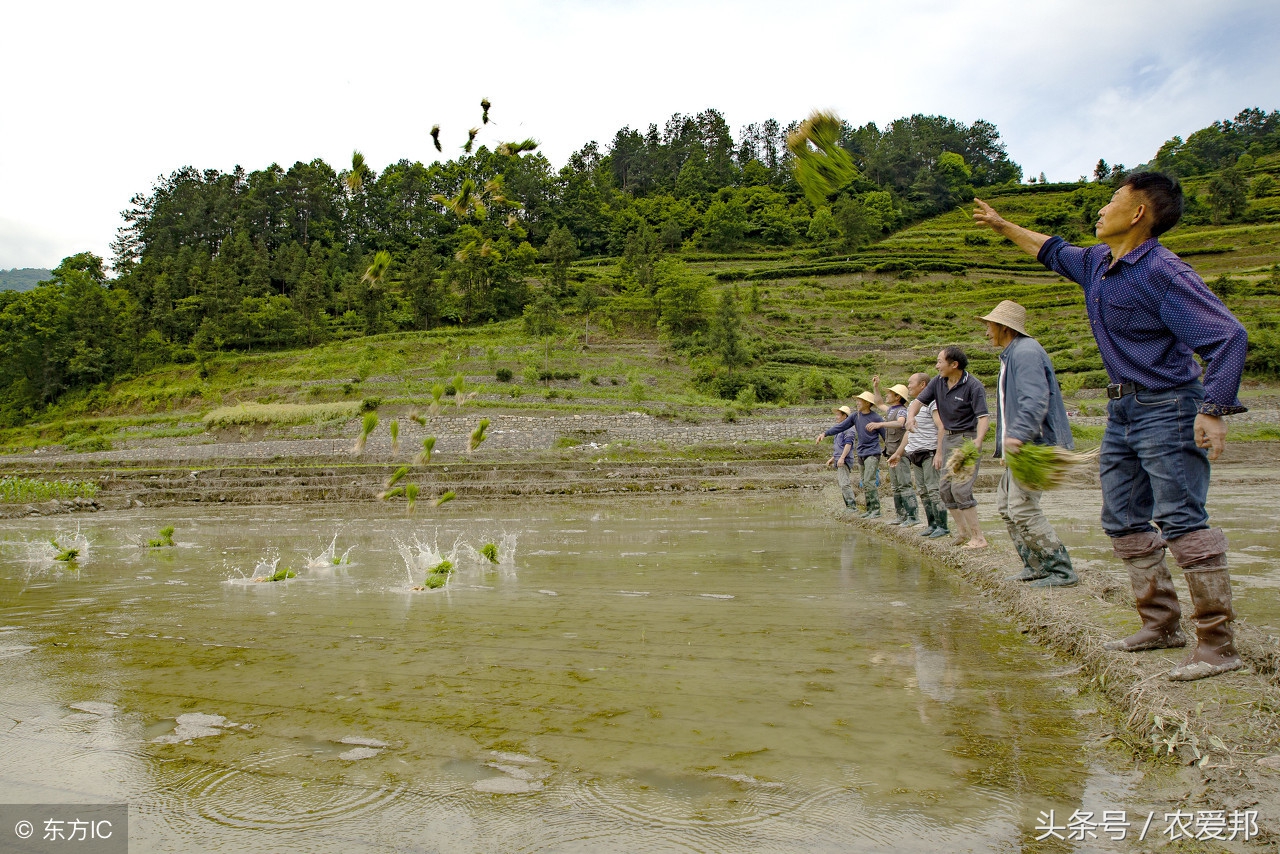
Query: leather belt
[{"x": 1115, "y": 391}]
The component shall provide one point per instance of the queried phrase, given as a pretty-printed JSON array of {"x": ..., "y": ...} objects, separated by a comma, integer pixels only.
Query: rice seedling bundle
[
  {"x": 490, "y": 552},
  {"x": 439, "y": 575},
  {"x": 428, "y": 444},
  {"x": 1041, "y": 467},
  {"x": 960, "y": 465},
  {"x": 477, "y": 435},
  {"x": 446, "y": 498},
  {"x": 64, "y": 555},
  {"x": 411, "y": 495},
  {"x": 394, "y": 427},
  {"x": 367, "y": 426},
  {"x": 822, "y": 166},
  {"x": 282, "y": 574},
  {"x": 164, "y": 540}
]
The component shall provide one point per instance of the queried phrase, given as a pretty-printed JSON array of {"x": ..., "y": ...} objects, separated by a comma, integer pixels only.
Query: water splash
[
  {"x": 44, "y": 553},
  {"x": 329, "y": 558},
  {"x": 421, "y": 557}
]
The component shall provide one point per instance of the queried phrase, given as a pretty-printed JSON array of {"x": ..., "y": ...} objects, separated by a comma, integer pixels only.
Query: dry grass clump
[{"x": 279, "y": 413}]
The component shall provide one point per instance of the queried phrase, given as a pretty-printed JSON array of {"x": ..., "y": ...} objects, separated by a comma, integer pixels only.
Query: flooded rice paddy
[{"x": 720, "y": 675}]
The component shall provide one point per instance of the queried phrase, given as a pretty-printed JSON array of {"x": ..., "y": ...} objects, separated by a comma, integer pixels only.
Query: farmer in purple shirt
[{"x": 1151, "y": 314}]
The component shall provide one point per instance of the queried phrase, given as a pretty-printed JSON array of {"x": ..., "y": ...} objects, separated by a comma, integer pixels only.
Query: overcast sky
[{"x": 101, "y": 98}]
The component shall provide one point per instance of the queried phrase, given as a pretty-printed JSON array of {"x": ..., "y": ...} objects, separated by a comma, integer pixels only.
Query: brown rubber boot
[
  {"x": 1202, "y": 556},
  {"x": 1153, "y": 592}
]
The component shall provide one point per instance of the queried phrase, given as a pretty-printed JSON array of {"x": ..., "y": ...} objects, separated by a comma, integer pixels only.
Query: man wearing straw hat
[
  {"x": 866, "y": 421},
  {"x": 1151, "y": 315},
  {"x": 1029, "y": 408},
  {"x": 893, "y": 428},
  {"x": 839, "y": 458}
]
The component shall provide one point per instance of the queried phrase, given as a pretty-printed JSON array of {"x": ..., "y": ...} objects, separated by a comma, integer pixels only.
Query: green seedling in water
[
  {"x": 446, "y": 498},
  {"x": 282, "y": 574},
  {"x": 64, "y": 555},
  {"x": 394, "y": 427},
  {"x": 165, "y": 539},
  {"x": 368, "y": 425},
  {"x": 439, "y": 575},
  {"x": 428, "y": 445},
  {"x": 411, "y": 495},
  {"x": 477, "y": 435},
  {"x": 490, "y": 552}
]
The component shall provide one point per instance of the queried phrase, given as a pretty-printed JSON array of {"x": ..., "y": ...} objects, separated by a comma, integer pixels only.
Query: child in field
[{"x": 839, "y": 456}]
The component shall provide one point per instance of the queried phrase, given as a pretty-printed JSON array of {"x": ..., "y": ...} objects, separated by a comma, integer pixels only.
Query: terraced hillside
[{"x": 818, "y": 325}]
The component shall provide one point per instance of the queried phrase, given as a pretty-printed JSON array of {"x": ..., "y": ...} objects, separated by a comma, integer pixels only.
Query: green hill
[
  {"x": 23, "y": 279},
  {"x": 817, "y": 327}
]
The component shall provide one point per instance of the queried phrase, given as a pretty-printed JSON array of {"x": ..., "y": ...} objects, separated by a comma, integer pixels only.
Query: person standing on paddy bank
[
  {"x": 921, "y": 451},
  {"x": 962, "y": 406},
  {"x": 1029, "y": 409},
  {"x": 839, "y": 459},
  {"x": 1151, "y": 315}
]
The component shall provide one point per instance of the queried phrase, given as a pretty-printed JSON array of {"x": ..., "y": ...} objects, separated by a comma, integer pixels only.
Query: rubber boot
[
  {"x": 1202, "y": 556},
  {"x": 1153, "y": 593},
  {"x": 913, "y": 511},
  {"x": 930, "y": 517},
  {"x": 1031, "y": 570},
  {"x": 1057, "y": 568},
  {"x": 940, "y": 514},
  {"x": 900, "y": 515},
  {"x": 873, "y": 505}
]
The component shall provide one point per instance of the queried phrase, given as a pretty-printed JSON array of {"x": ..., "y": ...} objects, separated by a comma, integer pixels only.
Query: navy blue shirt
[
  {"x": 868, "y": 443},
  {"x": 1150, "y": 313},
  {"x": 844, "y": 437},
  {"x": 959, "y": 407}
]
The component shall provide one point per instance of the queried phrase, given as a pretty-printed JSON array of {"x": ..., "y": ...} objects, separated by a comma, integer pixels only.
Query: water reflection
[{"x": 711, "y": 676}]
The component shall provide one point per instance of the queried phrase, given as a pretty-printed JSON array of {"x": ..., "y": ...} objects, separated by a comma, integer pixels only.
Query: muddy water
[{"x": 725, "y": 675}]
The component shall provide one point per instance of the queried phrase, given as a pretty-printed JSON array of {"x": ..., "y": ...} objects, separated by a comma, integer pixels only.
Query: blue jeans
[{"x": 1150, "y": 466}]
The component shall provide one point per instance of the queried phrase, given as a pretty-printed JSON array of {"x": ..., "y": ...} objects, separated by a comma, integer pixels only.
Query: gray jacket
[{"x": 1032, "y": 400}]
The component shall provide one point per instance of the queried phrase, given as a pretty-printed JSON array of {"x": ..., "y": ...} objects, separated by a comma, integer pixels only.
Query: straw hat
[
  {"x": 1009, "y": 313},
  {"x": 843, "y": 410},
  {"x": 868, "y": 397},
  {"x": 901, "y": 391}
]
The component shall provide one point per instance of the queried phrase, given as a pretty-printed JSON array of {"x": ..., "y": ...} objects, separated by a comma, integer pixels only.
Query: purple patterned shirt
[{"x": 1150, "y": 313}]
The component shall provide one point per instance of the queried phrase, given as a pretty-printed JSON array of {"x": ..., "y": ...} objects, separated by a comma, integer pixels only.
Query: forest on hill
[{"x": 211, "y": 261}]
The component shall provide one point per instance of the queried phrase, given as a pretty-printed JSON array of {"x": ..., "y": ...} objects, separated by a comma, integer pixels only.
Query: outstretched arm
[{"x": 1027, "y": 240}]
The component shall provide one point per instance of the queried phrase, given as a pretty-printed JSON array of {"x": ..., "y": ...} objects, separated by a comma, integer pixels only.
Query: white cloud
[{"x": 102, "y": 98}]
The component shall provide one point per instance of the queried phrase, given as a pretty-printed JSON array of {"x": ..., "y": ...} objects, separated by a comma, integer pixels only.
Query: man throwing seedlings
[
  {"x": 962, "y": 406},
  {"x": 1029, "y": 408},
  {"x": 1150, "y": 314}
]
